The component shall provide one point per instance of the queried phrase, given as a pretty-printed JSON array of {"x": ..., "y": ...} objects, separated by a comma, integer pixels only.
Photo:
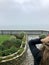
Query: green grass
[
  {"x": 10, "y": 44},
  {"x": 4, "y": 38}
]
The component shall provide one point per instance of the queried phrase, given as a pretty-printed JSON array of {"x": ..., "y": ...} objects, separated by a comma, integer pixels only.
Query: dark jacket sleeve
[
  {"x": 35, "y": 41},
  {"x": 35, "y": 51}
]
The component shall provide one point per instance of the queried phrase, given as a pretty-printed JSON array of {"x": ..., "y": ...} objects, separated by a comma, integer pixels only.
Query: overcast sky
[{"x": 24, "y": 14}]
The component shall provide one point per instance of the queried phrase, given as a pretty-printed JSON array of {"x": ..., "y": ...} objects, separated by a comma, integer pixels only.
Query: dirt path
[{"x": 29, "y": 58}]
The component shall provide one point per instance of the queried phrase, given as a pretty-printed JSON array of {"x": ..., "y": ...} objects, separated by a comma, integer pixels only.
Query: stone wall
[{"x": 16, "y": 60}]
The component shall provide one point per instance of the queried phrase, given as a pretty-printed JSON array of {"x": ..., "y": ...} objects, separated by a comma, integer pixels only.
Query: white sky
[{"x": 24, "y": 14}]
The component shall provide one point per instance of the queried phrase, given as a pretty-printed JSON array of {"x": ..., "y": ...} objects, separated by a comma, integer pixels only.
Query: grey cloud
[{"x": 29, "y": 13}]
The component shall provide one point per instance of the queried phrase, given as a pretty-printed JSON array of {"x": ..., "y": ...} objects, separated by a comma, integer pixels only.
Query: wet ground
[{"x": 29, "y": 58}]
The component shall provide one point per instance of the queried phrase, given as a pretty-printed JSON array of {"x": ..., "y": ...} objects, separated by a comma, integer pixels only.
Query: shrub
[
  {"x": 7, "y": 44},
  {"x": 5, "y": 52},
  {"x": 13, "y": 49},
  {"x": 24, "y": 39},
  {"x": 0, "y": 53},
  {"x": 1, "y": 47},
  {"x": 20, "y": 51},
  {"x": 13, "y": 42},
  {"x": 0, "y": 59},
  {"x": 18, "y": 43},
  {"x": 20, "y": 36},
  {"x": 23, "y": 44},
  {"x": 12, "y": 37},
  {"x": 42, "y": 36},
  {"x": 11, "y": 46}
]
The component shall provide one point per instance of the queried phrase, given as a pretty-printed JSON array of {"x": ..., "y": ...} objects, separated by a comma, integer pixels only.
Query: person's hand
[{"x": 45, "y": 40}]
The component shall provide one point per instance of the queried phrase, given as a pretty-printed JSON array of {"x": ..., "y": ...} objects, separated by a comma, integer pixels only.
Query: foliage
[
  {"x": 4, "y": 38},
  {"x": 16, "y": 42},
  {"x": 20, "y": 51},
  {"x": 42, "y": 36},
  {"x": 11, "y": 44},
  {"x": 20, "y": 36},
  {"x": 23, "y": 44},
  {"x": 12, "y": 37}
]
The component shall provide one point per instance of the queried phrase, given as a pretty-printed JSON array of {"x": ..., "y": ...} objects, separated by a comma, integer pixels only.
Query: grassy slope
[{"x": 3, "y": 38}]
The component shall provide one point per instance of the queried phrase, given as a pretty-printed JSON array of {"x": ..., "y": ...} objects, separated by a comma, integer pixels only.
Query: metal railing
[{"x": 29, "y": 32}]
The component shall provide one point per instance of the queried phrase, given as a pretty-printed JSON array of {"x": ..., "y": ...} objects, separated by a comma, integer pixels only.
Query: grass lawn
[{"x": 4, "y": 38}]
